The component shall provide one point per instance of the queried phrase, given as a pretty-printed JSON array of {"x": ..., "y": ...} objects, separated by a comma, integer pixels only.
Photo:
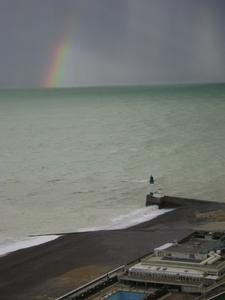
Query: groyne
[{"x": 171, "y": 201}]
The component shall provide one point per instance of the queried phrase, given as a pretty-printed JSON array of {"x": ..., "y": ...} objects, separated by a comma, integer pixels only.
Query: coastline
[{"x": 50, "y": 270}]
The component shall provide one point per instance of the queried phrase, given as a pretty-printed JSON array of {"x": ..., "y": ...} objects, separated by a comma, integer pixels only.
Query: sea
[{"x": 80, "y": 159}]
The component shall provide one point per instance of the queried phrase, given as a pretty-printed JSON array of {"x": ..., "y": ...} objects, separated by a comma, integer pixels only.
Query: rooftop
[
  {"x": 199, "y": 242},
  {"x": 167, "y": 270}
]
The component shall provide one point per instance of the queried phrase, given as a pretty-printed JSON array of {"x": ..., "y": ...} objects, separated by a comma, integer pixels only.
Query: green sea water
[{"x": 81, "y": 157}]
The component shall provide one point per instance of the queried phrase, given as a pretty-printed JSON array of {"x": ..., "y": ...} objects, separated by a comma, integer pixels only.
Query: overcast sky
[{"x": 111, "y": 42}]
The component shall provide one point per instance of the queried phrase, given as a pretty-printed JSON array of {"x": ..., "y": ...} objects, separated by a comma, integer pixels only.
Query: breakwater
[{"x": 171, "y": 201}]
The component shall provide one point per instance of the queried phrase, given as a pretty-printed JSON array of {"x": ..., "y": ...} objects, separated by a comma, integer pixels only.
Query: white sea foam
[
  {"x": 132, "y": 218},
  {"x": 138, "y": 216},
  {"x": 27, "y": 242}
]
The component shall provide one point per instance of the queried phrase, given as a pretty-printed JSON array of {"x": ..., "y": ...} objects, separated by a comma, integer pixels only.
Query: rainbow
[{"x": 62, "y": 53}]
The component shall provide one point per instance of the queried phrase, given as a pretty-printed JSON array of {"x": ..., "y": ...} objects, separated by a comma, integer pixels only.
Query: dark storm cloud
[
  {"x": 116, "y": 42},
  {"x": 156, "y": 41}
]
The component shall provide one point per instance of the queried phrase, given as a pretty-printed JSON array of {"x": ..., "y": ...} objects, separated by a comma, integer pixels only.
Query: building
[{"x": 194, "y": 265}]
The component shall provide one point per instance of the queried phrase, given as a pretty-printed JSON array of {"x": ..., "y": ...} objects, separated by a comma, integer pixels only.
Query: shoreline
[
  {"x": 31, "y": 240},
  {"x": 54, "y": 268}
]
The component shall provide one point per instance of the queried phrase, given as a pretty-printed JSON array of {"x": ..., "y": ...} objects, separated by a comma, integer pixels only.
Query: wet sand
[{"x": 52, "y": 269}]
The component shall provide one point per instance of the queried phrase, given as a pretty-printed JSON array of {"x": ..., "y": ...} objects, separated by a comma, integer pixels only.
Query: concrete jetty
[{"x": 171, "y": 201}]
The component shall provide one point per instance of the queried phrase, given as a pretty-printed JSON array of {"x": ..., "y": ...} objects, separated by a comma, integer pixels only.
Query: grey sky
[{"x": 112, "y": 42}]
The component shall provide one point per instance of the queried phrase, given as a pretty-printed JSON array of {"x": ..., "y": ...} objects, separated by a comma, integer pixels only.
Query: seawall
[{"x": 170, "y": 201}]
